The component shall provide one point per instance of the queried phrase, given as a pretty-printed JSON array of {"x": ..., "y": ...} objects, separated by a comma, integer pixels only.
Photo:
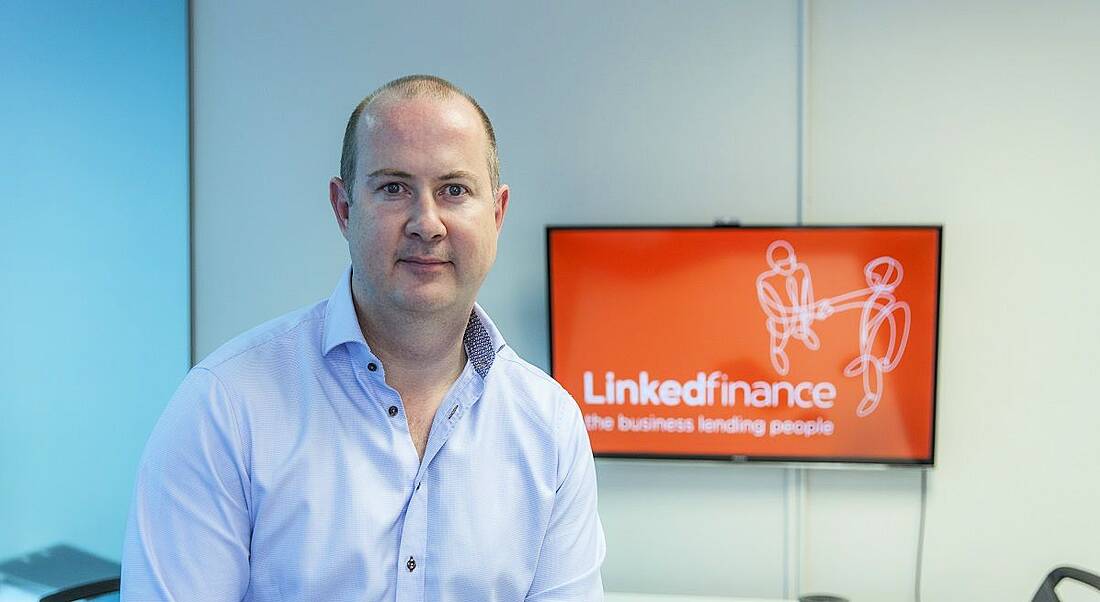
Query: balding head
[{"x": 409, "y": 87}]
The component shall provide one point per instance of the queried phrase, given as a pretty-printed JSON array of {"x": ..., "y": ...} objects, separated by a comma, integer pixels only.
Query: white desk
[
  {"x": 12, "y": 594},
  {"x": 628, "y": 597}
]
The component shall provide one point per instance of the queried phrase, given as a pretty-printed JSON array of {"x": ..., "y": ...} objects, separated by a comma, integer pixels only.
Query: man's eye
[
  {"x": 456, "y": 190},
  {"x": 392, "y": 188}
]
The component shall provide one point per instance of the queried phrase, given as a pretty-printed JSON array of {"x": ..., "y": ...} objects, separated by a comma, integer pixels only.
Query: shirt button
[
  {"x": 393, "y": 411},
  {"x": 372, "y": 367},
  {"x": 411, "y": 564},
  {"x": 418, "y": 486}
]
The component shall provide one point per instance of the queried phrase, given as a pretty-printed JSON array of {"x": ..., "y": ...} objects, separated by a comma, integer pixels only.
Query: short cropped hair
[{"x": 412, "y": 86}]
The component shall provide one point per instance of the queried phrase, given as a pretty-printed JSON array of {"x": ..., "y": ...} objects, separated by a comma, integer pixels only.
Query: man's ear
[
  {"x": 341, "y": 203},
  {"x": 501, "y": 205}
]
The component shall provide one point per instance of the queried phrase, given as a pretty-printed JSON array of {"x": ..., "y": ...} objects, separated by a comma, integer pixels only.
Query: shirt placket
[
  {"x": 413, "y": 538},
  {"x": 413, "y": 559}
]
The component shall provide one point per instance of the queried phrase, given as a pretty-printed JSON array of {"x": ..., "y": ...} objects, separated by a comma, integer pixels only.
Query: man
[{"x": 383, "y": 444}]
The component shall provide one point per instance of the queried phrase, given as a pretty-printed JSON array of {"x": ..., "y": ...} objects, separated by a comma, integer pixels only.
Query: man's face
[{"x": 422, "y": 227}]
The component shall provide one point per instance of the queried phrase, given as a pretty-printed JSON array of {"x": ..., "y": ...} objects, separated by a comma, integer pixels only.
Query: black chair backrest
[
  {"x": 1046, "y": 590},
  {"x": 84, "y": 591}
]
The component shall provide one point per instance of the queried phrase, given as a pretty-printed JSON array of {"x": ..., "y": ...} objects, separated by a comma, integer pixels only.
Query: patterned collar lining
[{"x": 479, "y": 345}]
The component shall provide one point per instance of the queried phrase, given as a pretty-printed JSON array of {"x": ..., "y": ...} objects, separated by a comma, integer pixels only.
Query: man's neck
[{"x": 422, "y": 353}]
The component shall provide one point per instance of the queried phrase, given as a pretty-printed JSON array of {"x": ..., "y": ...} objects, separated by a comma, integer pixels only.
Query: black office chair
[
  {"x": 85, "y": 591},
  {"x": 62, "y": 573},
  {"x": 1046, "y": 590}
]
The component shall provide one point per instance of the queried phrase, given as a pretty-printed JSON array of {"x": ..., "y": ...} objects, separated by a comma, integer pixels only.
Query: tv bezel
[{"x": 809, "y": 461}]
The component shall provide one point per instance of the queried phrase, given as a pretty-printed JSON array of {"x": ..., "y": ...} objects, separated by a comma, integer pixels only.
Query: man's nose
[{"x": 424, "y": 220}]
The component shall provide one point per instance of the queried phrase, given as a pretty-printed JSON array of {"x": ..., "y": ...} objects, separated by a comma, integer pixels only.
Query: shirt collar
[{"x": 482, "y": 340}]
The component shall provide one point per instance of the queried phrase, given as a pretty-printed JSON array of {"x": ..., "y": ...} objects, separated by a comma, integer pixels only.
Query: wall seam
[
  {"x": 796, "y": 482},
  {"x": 803, "y": 105},
  {"x": 190, "y": 182}
]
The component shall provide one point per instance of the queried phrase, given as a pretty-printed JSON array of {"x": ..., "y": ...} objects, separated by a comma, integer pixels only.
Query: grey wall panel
[{"x": 614, "y": 112}]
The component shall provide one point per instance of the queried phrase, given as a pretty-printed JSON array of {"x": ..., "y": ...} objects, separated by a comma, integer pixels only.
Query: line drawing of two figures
[{"x": 786, "y": 295}]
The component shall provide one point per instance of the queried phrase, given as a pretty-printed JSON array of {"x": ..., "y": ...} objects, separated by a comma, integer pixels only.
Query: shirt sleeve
[
  {"x": 573, "y": 549},
  {"x": 189, "y": 529}
]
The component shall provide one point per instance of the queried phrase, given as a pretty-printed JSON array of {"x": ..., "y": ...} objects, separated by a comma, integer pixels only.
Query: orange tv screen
[{"x": 796, "y": 344}]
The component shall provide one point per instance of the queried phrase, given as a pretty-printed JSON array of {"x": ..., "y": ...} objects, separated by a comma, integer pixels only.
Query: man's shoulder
[
  {"x": 526, "y": 376},
  {"x": 289, "y": 334},
  {"x": 531, "y": 389}
]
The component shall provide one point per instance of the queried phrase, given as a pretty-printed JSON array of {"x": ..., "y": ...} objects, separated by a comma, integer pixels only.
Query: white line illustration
[{"x": 787, "y": 297}]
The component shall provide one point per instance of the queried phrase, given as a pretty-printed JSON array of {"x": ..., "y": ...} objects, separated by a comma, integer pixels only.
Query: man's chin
[{"x": 427, "y": 301}]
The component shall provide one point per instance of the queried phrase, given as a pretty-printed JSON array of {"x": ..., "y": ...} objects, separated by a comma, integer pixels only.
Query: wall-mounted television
[{"x": 783, "y": 344}]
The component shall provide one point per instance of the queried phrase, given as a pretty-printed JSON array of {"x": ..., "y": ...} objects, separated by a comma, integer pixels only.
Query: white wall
[{"x": 980, "y": 116}]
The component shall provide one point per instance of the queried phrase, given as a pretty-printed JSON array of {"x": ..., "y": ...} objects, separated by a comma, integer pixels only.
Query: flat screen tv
[{"x": 787, "y": 344}]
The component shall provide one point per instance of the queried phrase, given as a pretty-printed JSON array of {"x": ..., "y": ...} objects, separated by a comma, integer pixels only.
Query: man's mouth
[{"x": 424, "y": 260}]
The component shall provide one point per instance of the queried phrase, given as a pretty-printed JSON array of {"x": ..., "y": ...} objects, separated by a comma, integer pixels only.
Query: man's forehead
[
  {"x": 395, "y": 120},
  {"x": 423, "y": 136}
]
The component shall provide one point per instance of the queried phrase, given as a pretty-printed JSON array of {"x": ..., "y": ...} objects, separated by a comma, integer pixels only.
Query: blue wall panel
[{"x": 94, "y": 297}]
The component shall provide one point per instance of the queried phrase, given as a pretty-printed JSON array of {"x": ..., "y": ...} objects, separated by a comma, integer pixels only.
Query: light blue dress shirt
[{"x": 283, "y": 469}]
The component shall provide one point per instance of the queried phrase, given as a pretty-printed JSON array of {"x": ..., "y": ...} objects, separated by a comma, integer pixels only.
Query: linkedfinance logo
[{"x": 786, "y": 295}]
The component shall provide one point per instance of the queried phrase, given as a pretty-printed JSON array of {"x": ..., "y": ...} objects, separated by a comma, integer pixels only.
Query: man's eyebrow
[
  {"x": 393, "y": 173},
  {"x": 458, "y": 174}
]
